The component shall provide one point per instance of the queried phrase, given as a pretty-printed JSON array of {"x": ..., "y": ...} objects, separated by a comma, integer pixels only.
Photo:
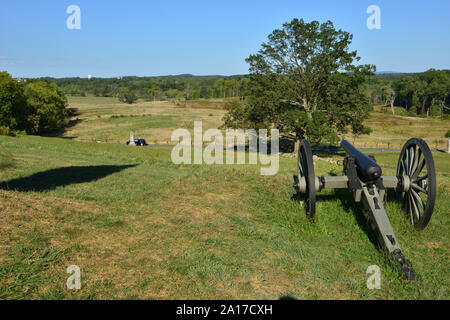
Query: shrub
[
  {"x": 435, "y": 110},
  {"x": 127, "y": 96},
  {"x": 6, "y": 131},
  {"x": 411, "y": 113},
  {"x": 447, "y": 134}
]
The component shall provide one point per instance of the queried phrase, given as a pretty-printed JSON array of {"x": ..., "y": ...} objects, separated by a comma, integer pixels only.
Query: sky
[{"x": 150, "y": 38}]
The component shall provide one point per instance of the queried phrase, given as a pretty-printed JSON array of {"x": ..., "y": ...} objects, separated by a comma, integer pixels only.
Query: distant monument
[
  {"x": 132, "y": 139},
  {"x": 448, "y": 145},
  {"x": 89, "y": 77}
]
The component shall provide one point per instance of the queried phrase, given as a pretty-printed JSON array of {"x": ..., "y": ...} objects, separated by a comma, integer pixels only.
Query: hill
[{"x": 140, "y": 226}]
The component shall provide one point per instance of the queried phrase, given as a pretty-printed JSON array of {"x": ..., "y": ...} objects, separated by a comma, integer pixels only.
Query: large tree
[
  {"x": 303, "y": 81},
  {"x": 14, "y": 110},
  {"x": 37, "y": 107},
  {"x": 48, "y": 103}
]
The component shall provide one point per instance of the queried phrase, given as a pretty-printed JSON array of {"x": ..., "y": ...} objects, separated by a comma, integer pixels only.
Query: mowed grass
[
  {"x": 105, "y": 119},
  {"x": 141, "y": 227},
  {"x": 389, "y": 131}
]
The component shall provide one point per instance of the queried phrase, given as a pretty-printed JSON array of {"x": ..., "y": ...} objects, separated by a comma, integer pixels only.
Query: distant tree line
[
  {"x": 128, "y": 89},
  {"x": 39, "y": 106},
  {"x": 426, "y": 93},
  {"x": 35, "y": 107}
]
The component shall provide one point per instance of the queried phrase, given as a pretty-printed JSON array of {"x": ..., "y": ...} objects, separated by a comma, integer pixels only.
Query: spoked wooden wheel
[
  {"x": 416, "y": 170},
  {"x": 306, "y": 177}
]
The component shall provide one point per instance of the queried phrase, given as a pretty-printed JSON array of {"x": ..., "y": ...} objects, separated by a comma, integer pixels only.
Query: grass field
[
  {"x": 142, "y": 227},
  {"x": 107, "y": 120},
  {"x": 392, "y": 131}
]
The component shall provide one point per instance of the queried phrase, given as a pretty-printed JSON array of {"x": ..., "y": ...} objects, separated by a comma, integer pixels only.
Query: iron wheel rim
[
  {"x": 417, "y": 164},
  {"x": 305, "y": 168}
]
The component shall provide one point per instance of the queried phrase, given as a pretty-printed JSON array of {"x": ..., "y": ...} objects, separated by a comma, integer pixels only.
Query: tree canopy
[
  {"x": 303, "y": 81},
  {"x": 127, "y": 96},
  {"x": 13, "y": 108},
  {"x": 48, "y": 104},
  {"x": 157, "y": 88},
  {"x": 36, "y": 107},
  {"x": 427, "y": 93}
]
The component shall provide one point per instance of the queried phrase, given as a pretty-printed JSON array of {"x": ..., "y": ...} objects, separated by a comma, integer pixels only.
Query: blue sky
[{"x": 147, "y": 38}]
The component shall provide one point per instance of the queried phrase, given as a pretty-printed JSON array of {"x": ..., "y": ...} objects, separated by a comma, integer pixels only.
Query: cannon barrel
[{"x": 367, "y": 168}]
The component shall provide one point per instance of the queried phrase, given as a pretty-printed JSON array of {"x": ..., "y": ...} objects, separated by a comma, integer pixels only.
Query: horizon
[
  {"x": 196, "y": 75},
  {"x": 153, "y": 39}
]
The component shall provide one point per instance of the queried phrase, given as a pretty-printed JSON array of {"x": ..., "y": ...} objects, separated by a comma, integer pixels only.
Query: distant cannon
[{"x": 415, "y": 183}]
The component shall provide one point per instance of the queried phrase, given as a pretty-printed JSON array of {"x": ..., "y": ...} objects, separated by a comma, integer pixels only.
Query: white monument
[
  {"x": 89, "y": 77},
  {"x": 448, "y": 145},
  {"x": 132, "y": 139}
]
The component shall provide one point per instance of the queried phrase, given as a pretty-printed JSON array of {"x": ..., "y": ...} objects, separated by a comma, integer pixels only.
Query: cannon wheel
[
  {"x": 305, "y": 167},
  {"x": 416, "y": 162}
]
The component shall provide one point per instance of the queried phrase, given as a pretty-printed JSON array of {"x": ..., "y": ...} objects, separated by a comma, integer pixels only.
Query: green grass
[
  {"x": 115, "y": 128},
  {"x": 142, "y": 227},
  {"x": 392, "y": 132},
  {"x": 107, "y": 120},
  {"x": 6, "y": 159}
]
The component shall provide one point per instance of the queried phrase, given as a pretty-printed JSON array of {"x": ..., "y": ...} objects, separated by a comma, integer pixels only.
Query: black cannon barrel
[{"x": 366, "y": 166}]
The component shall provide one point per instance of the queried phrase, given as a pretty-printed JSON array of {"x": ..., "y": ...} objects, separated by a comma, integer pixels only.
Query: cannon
[{"x": 414, "y": 184}]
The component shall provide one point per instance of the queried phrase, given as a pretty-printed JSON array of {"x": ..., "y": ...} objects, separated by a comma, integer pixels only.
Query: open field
[
  {"x": 139, "y": 226},
  {"x": 107, "y": 120},
  {"x": 392, "y": 131},
  {"x": 211, "y": 151}
]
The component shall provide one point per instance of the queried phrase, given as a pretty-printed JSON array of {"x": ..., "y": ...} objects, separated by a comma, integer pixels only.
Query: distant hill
[
  {"x": 393, "y": 75},
  {"x": 387, "y": 72}
]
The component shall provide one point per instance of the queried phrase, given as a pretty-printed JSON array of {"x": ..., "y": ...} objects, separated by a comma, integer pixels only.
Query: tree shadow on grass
[
  {"x": 60, "y": 133},
  {"x": 53, "y": 178}
]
